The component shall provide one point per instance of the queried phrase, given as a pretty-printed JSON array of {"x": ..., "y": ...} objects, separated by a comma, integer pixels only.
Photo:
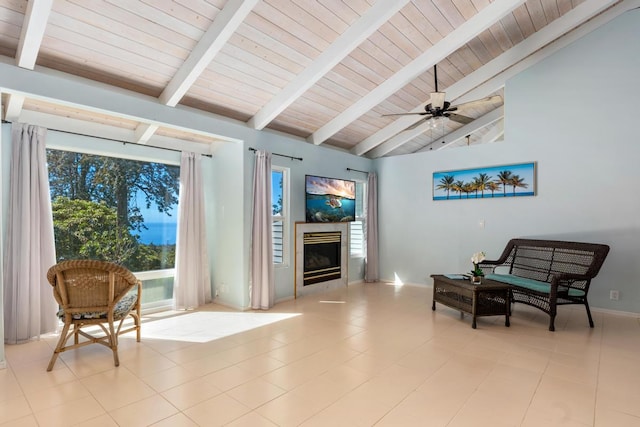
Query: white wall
[{"x": 572, "y": 114}]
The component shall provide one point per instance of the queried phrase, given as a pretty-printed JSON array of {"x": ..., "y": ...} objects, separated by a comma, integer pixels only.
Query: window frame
[{"x": 107, "y": 148}]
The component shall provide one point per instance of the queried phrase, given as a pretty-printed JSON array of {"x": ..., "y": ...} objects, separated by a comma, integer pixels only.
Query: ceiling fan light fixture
[
  {"x": 436, "y": 121},
  {"x": 437, "y": 99}
]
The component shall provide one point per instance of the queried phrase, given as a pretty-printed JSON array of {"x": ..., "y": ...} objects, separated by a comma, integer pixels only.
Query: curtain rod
[
  {"x": 116, "y": 140},
  {"x": 281, "y": 155},
  {"x": 356, "y": 170}
]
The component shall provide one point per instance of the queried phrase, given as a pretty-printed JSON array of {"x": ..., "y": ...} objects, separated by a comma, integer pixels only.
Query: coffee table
[{"x": 489, "y": 298}]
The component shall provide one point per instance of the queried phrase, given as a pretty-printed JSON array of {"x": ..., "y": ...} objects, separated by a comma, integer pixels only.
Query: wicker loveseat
[{"x": 548, "y": 273}]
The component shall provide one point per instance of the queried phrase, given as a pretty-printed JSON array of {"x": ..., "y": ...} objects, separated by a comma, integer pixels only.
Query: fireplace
[{"x": 321, "y": 257}]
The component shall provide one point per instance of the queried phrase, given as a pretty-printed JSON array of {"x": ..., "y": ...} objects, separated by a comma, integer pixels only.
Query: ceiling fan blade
[
  {"x": 437, "y": 99},
  {"x": 405, "y": 114},
  {"x": 477, "y": 102},
  {"x": 460, "y": 119}
]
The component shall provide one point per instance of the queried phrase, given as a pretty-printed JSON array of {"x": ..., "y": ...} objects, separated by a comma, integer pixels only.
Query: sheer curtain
[
  {"x": 371, "y": 268},
  {"x": 192, "y": 284},
  {"x": 263, "y": 289},
  {"x": 29, "y": 306}
]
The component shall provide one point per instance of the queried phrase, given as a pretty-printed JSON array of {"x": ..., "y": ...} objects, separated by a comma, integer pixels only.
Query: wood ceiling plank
[
  {"x": 323, "y": 14},
  {"x": 305, "y": 17},
  {"x": 122, "y": 21},
  {"x": 551, "y": 10},
  {"x": 378, "y": 42},
  {"x": 435, "y": 18},
  {"x": 108, "y": 44},
  {"x": 94, "y": 53},
  {"x": 85, "y": 59},
  {"x": 450, "y": 12},
  {"x": 523, "y": 18},
  {"x": 271, "y": 44},
  {"x": 263, "y": 25},
  {"x": 512, "y": 29},
  {"x": 368, "y": 67},
  {"x": 340, "y": 79},
  {"x": 501, "y": 36},
  {"x": 151, "y": 14},
  {"x": 227, "y": 86},
  {"x": 283, "y": 62},
  {"x": 490, "y": 47},
  {"x": 201, "y": 7},
  {"x": 417, "y": 28},
  {"x": 62, "y": 62},
  {"x": 253, "y": 64},
  {"x": 470, "y": 57},
  {"x": 198, "y": 17},
  {"x": 564, "y": 6},
  {"x": 266, "y": 81},
  {"x": 480, "y": 51},
  {"x": 172, "y": 44},
  {"x": 341, "y": 9},
  {"x": 292, "y": 28},
  {"x": 537, "y": 14}
]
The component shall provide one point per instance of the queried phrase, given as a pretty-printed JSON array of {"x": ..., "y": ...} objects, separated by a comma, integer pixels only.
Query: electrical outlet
[{"x": 614, "y": 295}]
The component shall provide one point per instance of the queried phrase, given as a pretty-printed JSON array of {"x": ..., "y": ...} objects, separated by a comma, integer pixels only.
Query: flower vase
[{"x": 476, "y": 280}]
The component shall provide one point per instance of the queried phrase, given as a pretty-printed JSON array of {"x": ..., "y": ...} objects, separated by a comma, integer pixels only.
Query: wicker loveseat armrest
[{"x": 488, "y": 266}]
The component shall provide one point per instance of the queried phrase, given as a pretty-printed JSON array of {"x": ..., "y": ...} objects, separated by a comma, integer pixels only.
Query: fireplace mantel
[{"x": 308, "y": 227}]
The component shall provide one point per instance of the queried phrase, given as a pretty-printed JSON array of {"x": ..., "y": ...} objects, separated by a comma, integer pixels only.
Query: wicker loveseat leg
[{"x": 586, "y": 305}]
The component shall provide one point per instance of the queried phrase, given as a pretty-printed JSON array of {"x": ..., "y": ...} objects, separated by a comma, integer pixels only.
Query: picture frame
[{"x": 491, "y": 182}]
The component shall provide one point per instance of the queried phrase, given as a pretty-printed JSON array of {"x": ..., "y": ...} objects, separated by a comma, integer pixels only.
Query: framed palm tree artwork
[{"x": 516, "y": 180}]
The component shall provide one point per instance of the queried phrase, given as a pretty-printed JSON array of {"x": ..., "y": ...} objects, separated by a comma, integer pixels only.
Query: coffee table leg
[
  {"x": 433, "y": 306},
  {"x": 506, "y": 321}
]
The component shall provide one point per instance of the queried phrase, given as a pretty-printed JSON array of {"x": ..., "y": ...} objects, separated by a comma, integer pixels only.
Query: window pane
[
  {"x": 113, "y": 209},
  {"x": 277, "y": 177}
]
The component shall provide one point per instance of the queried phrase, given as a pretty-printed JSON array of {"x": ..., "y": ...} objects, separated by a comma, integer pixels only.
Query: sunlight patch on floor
[{"x": 208, "y": 326}]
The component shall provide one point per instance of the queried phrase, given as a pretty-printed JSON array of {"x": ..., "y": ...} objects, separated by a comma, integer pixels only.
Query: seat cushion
[
  {"x": 534, "y": 285},
  {"x": 122, "y": 308}
]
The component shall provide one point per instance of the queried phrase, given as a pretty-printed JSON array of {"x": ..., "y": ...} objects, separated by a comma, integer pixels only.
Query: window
[
  {"x": 280, "y": 209},
  {"x": 117, "y": 210},
  {"x": 357, "y": 227}
]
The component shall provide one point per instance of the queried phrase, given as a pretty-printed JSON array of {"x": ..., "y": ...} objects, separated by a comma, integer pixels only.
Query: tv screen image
[{"x": 330, "y": 199}]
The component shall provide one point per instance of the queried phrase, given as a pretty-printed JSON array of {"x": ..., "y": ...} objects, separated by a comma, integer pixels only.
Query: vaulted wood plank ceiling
[{"x": 326, "y": 71}]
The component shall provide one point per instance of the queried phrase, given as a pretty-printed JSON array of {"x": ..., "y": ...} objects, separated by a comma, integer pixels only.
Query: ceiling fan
[{"x": 439, "y": 109}]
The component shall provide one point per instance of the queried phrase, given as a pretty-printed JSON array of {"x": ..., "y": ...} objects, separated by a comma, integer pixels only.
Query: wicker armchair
[{"x": 94, "y": 293}]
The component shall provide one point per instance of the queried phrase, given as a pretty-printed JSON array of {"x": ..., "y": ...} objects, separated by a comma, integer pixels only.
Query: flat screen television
[{"x": 330, "y": 199}]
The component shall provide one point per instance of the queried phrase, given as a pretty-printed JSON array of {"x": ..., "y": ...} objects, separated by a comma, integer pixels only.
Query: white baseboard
[
  {"x": 616, "y": 312},
  {"x": 3, "y": 364}
]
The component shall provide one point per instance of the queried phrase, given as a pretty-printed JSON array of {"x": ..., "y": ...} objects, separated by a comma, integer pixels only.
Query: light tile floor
[{"x": 372, "y": 354}]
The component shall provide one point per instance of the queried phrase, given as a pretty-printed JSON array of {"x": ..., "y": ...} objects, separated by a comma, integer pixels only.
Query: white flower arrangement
[{"x": 476, "y": 259}]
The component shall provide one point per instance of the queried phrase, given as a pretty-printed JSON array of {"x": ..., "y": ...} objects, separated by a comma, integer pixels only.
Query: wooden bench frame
[{"x": 565, "y": 266}]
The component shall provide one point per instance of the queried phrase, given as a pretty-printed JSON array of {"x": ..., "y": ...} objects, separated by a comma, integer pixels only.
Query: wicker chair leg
[
  {"x": 59, "y": 346},
  {"x": 586, "y": 305},
  {"x": 113, "y": 343},
  {"x": 551, "y": 325}
]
